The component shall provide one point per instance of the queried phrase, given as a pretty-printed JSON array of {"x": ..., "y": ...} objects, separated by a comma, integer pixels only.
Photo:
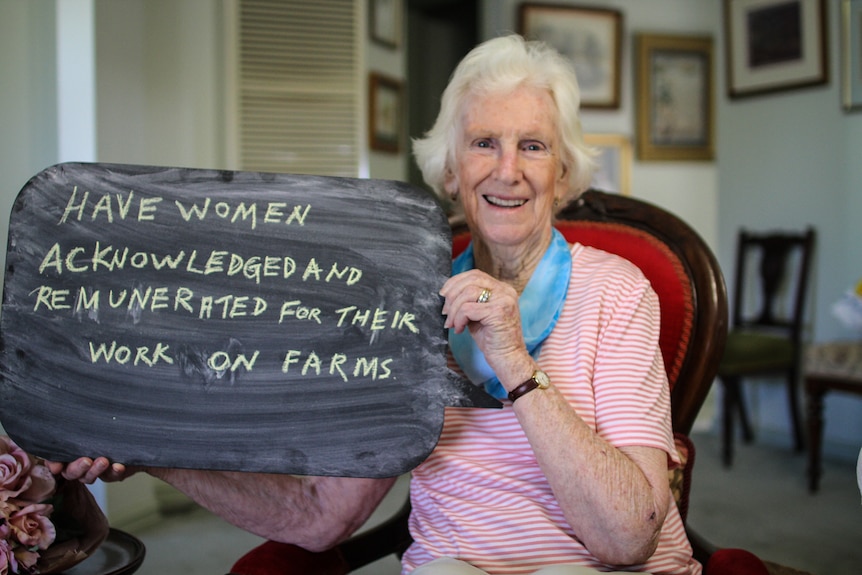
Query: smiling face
[{"x": 508, "y": 170}]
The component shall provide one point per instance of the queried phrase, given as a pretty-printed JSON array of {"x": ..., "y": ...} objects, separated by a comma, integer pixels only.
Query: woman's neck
[{"x": 513, "y": 265}]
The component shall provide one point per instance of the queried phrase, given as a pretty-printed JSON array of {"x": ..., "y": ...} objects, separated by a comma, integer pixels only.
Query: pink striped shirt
[{"x": 481, "y": 497}]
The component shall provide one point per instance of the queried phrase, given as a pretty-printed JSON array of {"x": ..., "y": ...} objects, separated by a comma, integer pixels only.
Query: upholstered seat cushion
[{"x": 747, "y": 352}]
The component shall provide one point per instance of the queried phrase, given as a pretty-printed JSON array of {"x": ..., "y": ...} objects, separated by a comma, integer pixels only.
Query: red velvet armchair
[{"x": 691, "y": 289}]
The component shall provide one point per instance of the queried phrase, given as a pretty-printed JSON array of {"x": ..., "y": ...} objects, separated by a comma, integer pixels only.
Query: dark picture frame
[
  {"x": 385, "y": 20},
  {"x": 384, "y": 113},
  {"x": 851, "y": 55},
  {"x": 589, "y": 37},
  {"x": 675, "y": 98},
  {"x": 775, "y": 45}
]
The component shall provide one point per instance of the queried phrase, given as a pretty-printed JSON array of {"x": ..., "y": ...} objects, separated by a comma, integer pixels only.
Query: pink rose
[
  {"x": 15, "y": 467},
  {"x": 8, "y": 563},
  {"x": 42, "y": 486},
  {"x": 6, "y": 511},
  {"x": 31, "y": 526}
]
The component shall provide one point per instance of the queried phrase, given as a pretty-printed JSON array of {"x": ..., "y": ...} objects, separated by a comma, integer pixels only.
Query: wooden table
[{"x": 833, "y": 366}]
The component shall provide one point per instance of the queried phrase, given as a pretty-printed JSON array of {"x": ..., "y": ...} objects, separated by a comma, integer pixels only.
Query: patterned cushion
[{"x": 841, "y": 359}]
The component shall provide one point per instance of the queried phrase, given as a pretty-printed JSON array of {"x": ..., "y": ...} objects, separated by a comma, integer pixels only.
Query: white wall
[
  {"x": 160, "y": 80},
  {"x": 28, "y": 98}
]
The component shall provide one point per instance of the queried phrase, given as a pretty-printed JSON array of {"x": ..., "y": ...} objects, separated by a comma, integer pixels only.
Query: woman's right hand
[
  {"x": 494, "y": 323},
  {"x": 87, "y": 470}
]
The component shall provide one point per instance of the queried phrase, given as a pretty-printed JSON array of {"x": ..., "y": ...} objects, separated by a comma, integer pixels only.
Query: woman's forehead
[{"x": 523, "y": 109}]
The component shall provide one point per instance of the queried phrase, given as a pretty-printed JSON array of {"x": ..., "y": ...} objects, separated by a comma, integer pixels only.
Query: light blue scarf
[{"x": 540, "y": 304}]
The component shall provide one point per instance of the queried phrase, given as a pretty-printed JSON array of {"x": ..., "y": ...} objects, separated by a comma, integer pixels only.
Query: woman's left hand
[{"x": 495, "y": 324}]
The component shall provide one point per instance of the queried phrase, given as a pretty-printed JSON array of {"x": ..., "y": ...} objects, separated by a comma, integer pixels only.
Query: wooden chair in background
[{"x": 765, "y": 337}]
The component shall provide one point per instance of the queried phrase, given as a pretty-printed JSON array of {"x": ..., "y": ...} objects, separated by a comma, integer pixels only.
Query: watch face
[{"x": 542, "y": 379}]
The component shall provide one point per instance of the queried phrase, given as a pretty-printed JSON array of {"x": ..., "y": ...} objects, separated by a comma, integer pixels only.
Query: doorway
[{"x": 439, "y": 34}]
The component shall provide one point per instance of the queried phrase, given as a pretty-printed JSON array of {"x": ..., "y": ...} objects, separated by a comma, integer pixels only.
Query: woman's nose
[{"x": 509, "y": 165}]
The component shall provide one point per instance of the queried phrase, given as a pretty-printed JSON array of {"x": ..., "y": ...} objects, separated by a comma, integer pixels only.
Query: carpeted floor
[{"x": 762, "y": 504}]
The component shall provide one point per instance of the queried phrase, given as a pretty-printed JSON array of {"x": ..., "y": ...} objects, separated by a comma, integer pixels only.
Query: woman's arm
[
  {"x": 615, "y": 499},
  {"x": 315, "y": 513}
]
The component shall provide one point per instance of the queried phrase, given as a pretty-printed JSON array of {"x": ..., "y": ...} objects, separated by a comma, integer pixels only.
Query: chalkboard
[{"x": 226, "y": 320}]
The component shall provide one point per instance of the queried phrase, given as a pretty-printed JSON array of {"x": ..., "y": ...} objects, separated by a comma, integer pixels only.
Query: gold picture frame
[
  {"x": 675, "y": 98},
  {"x": 384, "y": 113},
  {"x": 613, "y": 163}
]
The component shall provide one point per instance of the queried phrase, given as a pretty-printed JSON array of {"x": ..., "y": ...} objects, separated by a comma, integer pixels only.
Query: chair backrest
[
  {"x": 682, "y": 270},
  {"x": 770, "y": 266}
]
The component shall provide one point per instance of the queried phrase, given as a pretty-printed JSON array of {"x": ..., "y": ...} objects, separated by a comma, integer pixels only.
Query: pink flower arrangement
[{"x": 26, "y": 529}]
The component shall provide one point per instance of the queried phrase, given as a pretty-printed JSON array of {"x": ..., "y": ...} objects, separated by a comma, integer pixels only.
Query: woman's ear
[
  {"x": 564, "y": 172},
  {"x": 450, "y": 184},
  {"x": 562, "y": 187}
]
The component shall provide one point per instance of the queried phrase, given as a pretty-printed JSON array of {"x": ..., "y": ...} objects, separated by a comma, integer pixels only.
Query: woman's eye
[
  {"x": 534, "y": 147},
  {"x": 483, "y": 144}
]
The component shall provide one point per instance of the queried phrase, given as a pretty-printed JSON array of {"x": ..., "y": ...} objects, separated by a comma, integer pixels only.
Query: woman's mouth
[{"x": 504, "y": 203}]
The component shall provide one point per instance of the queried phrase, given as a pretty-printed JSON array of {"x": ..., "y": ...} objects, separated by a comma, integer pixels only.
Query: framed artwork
[
  {"x": 774, "y": 45},
  {"x": 613, "y": 163},
  {"x": 851, "y": 54},
  {"x": 589, "y": 37},
  {"x": 385, "y": 22},
  {"x": 675, "y": 98},
  {"x": 385, "y": 116}
]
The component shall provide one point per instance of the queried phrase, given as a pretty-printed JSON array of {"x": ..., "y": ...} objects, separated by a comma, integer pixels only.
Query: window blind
[{"x": 299, "y": 86}]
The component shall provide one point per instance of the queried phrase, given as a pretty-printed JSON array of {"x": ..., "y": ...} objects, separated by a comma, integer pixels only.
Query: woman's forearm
[{"x": 615, "y": 501}]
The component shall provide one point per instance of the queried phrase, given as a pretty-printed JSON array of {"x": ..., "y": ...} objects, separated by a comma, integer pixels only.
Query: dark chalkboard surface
[{"x": 226, "y": 320}]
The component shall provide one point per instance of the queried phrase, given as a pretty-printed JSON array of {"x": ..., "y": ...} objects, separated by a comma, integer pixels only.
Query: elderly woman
[
  {"x": 571, "y": 475},
  {"x": 574, "y": 469}
]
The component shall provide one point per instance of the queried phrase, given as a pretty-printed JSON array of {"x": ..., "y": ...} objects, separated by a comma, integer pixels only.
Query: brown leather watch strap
[
  {"x": 523, "y": 389},
  {"x": 539, "y": 380}
]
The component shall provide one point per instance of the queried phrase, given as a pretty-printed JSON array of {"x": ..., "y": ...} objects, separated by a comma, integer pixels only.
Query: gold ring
[{"x": 484, "y": 296}]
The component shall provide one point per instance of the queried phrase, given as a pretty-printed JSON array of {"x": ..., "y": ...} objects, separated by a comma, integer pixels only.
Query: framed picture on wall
[
  {"x": 613, "y": 163},
  {"x": 589, "y": 37},
  {"x": 851, "y": 54},
  {"x": 774, "y": 45},
  {"x": 385, "y": 22},
  {"x": 675, "y": 98},
  {"x": 384, "y": 113}
]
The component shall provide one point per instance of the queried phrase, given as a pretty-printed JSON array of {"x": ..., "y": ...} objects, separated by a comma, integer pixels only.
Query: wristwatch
[{"x": 539, "y": 380}]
